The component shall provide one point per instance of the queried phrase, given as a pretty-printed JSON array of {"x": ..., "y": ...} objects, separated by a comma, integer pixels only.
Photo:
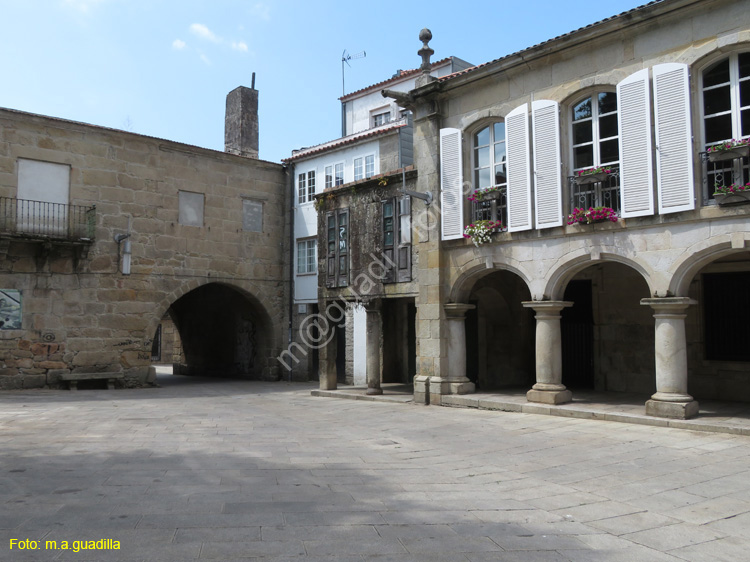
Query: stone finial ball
[{"x": 425, "y": 35}]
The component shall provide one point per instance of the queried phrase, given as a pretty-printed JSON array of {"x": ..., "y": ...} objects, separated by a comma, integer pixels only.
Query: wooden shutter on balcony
[
  {"x": 451, "y": 180},
  {"x": 674, "y": 147},
  {"x": 547, "y": 180},
  {"x": 634, "y": 108},
  {"x": 403, "y": 205},
  {"x": 331, "y": 243},
  {"x": 519, "y": 176}
]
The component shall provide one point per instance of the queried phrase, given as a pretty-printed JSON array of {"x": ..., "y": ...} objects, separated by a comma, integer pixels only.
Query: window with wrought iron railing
[
  {"x": 596, "y": 190},
  {"x": 21, "y": 217}
]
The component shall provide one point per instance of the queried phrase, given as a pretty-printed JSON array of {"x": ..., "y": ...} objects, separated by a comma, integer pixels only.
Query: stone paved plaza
[{"x": 244, "y": 470}]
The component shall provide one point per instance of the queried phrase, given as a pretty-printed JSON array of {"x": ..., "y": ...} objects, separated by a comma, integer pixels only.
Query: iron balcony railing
[
  {"x": 585, "y": 193},
  {"x": 724, "y": 169},
  {"x": 493, "y": 207},
  {"x": 39, "y": 219}
]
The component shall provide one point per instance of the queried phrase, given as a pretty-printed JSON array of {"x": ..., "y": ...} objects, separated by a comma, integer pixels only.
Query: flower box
[
  {"x": 737, "y": 198},
  {"x": 729, "y": 154},
  {"x": 591, "y": 178}
]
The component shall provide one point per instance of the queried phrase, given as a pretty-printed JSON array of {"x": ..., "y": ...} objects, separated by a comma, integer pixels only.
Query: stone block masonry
[{"x": 81, "y": 313}]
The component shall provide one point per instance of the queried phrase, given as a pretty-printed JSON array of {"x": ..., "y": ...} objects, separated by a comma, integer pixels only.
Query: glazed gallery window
[
  {"x": 305, "y": 186},
  {"x": 489, "y": 162},
  {"x": 595, "y": 138},
  {"x": 379, "y": 119},
  {"x": 337, "y": 248},
  {"x": 726, "y": 99},
  {"x": 596, "y": 142},
  {"x": 334, "y": 175},
  {"x": 306, "y": 256}
]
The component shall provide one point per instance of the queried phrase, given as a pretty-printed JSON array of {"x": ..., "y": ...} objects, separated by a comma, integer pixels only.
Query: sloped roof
[
  {"x": 403, "y": 74},
  {"x": 543, "y": 43},
  {"x": 344, "y": 141}
]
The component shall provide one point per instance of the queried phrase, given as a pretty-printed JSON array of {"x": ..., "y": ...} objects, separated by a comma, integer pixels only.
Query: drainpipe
[{"x": 290, "y": 172}]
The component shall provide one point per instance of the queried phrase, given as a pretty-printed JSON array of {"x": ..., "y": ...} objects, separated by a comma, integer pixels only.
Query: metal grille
[
  {"x": 723, "y": 174},
  {"x": 605, "y": 193},
  {"x": 492, "y": 210},
  {"x": 22, "y": 217}
]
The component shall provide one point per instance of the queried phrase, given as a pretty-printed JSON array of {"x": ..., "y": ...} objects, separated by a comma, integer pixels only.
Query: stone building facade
[
  {"x": 104, "y": 232},
  {"x": 627, "y": 117}
]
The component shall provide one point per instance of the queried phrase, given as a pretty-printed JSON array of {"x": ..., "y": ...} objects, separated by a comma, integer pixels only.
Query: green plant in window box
[{"x": 485, "y": 193}]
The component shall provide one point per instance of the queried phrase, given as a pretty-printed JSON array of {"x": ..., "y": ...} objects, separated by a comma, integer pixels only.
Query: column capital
[
  {"x": 546, "y": 308},
  {"x": 669, "y": 305},
  {"x": 457, "y": 309}
]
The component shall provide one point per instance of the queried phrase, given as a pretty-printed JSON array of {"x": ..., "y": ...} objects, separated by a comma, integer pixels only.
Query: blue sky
[{"x": 163, "y": 68}]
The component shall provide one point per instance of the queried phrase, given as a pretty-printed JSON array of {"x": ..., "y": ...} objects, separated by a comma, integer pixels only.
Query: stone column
[
  {"x": 548, "y": 388},
  {"x": 374, "y": 327},
  {"x": 453, "y": 379},
  {"x": 671, "y": 399},
  {"x": 327, "y": 356}
]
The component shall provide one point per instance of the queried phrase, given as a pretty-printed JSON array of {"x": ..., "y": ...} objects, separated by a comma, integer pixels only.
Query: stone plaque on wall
[{"x": 10, "y": 309}]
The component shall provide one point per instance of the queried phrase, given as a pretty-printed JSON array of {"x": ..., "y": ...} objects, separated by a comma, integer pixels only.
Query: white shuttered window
[
  {"x": 547, "y": 182},
  {"x": 634, "y": 106},
  {"x": 451, "y": 180},
  {"x": 519, "y": 175},
  {"x": 674, "y": 150}
]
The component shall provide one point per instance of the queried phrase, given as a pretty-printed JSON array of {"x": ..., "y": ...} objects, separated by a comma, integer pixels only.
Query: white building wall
[
  {"x": 305, "y": 214},
  {"x": 359, "y": 316}
]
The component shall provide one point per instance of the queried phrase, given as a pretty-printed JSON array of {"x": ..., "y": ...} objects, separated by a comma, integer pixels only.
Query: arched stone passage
[
  {"x": 716, "y": 327},
  {"x": 499, "y": 333},
  {"x": 607, "y": 334},
  {"x": 225, "y": 332}
]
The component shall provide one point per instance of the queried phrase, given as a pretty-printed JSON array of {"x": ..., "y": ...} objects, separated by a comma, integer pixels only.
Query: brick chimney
[{"x": 241, "y": 122}]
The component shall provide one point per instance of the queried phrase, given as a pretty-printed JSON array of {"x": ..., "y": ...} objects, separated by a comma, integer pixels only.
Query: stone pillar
[
  {"x": 548, "y": 388},
  {"x": 671, "y": 399},
  {"x": 241, "y": 122},
  {"x": 374, "y": 327},
  {"x": 327, "y": 358},
  {"x": 453, "y": 379}
]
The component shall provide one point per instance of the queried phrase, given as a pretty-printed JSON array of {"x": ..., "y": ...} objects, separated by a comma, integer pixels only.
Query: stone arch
[
  {"x": 265, "y": 325},
  {"x": 569, "y": 265},
  {"x": 478, "y": 267},
  {"x": 699, "y": 255}
]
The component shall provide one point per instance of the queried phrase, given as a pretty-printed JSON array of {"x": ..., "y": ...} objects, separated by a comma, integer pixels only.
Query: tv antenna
[{"x": 345, "y": 58}]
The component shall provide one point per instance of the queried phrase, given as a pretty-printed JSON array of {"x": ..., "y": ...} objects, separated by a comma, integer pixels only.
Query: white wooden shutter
[
  {"x": 634, "y": 108},
  {"x": 547, "y": 180},
  {"x": 519, "y": 174},
  {"x": 674, "y": 150},
  {"x": 451, "y": 179}
]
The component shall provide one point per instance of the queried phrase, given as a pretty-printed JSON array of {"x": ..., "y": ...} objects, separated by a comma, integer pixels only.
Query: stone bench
[{"x": 73, "y": 378}]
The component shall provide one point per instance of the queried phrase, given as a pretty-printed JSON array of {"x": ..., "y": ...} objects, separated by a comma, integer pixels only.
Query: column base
[
  {"x": 674, "y": 410},
  {"x": 439, "y": 386},
  {"x": 549, "y": 396},
  {"x": 421, "y": 390},
  {"x": 374, "y": 391}
]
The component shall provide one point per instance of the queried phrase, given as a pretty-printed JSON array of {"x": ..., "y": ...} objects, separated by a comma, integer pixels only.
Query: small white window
[
  {"x": 191, "y": 208},
  {"x": 305, "y": 186},
  {"x": 358, "y": 169},
  {"x": 369, "y": 166},
  {"x": 339, "y": 174},
  {"x": 328, "y": 177},
  {"x": 306, "y": 256},
  {"x": 382, "y": 118}
]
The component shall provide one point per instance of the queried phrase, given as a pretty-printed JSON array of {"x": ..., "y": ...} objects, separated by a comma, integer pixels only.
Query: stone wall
[{"x": 85, "y": 315}]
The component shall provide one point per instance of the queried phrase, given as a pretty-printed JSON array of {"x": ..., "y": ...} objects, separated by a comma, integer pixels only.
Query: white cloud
[
  {"x": 239, "y": 46},
  {"x": 200, "y": 30},
  {"x": 261, "y": 10},
  {"x": 205, "y": 59},
  {"x": 179, "y": 44}
]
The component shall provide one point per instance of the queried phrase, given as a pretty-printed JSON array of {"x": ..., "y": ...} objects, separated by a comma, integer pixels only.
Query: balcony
[
  {"x": 594, "y": 191},
  {"x": 39, "y": 220},
  {"x": 492, "y": 207},
  {"x": 724, "y": 169}
]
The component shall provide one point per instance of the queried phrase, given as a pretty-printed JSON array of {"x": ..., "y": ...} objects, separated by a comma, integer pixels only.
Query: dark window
[
  {"x": 337, "y": 239},
  {"x": 726, "y": 308},
  {"x": 396, "y": 229}
]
